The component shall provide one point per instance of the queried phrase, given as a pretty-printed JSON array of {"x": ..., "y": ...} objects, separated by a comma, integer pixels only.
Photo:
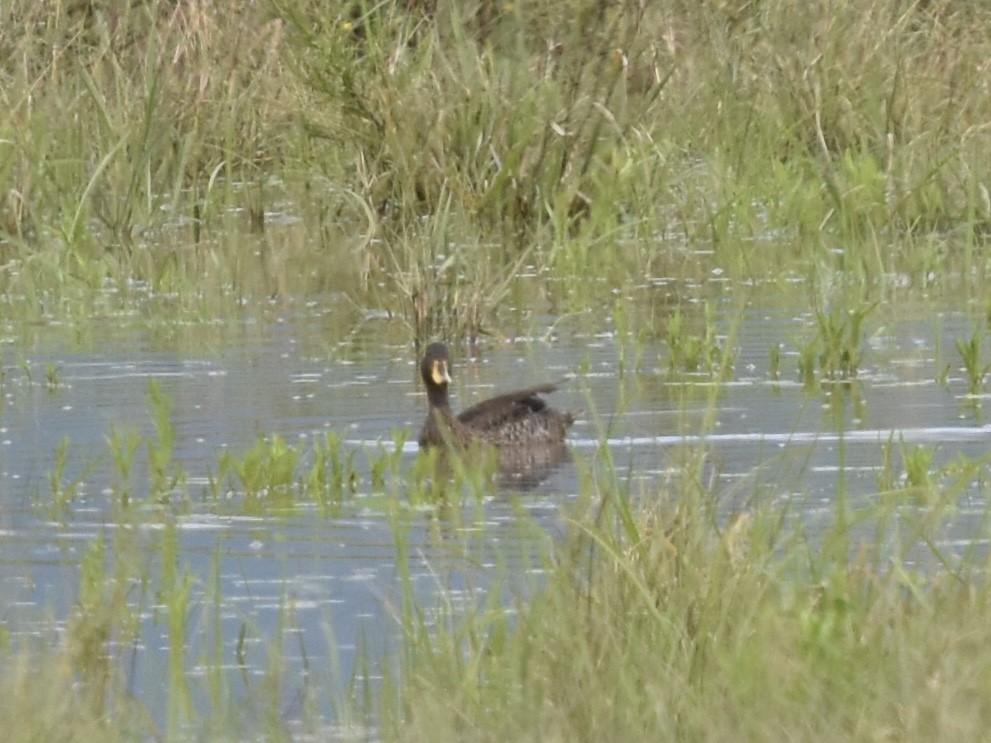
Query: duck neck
[
  {"x": 440, "y": 420},
  {"x": 437, "y": 396}
]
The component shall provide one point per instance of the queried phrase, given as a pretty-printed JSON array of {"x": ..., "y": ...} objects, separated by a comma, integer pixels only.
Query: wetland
[{"x": 749, "y": 244}]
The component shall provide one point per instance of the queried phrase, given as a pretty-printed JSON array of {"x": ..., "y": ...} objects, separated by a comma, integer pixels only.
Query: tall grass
[
  {"x": 669, "y": 621},
  {"x": 127, "y": 132},
  {"x": 549, "y": 113},
  {"x": 585, "y": 132},
  {"x": 116, "y": 112},
  {"x": 431, "y": 147}
]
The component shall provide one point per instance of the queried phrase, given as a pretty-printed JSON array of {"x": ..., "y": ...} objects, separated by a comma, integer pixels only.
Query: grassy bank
[
  {"x": 432, "y": 149},
  {"x": 695, "y": 119}
]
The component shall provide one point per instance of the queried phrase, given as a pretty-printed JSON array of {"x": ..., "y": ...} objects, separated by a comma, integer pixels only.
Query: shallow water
[{"x": 317, "y": 584}]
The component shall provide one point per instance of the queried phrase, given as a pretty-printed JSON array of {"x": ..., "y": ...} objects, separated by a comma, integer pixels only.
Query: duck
[{"x": 512, "y": 421}]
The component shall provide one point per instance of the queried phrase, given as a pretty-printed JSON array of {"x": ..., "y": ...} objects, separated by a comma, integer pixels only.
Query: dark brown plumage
[{"x": 520, "y": 418}]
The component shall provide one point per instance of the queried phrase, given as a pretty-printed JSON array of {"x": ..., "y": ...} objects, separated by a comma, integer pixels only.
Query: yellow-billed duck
[{"x": 520, "y": 418}]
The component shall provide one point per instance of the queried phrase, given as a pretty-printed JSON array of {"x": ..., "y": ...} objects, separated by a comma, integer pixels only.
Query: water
[{"x": 321, "y": 586}]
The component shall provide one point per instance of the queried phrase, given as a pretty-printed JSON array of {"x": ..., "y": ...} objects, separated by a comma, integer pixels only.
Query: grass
[
  {"x": 970, "y": 354},
  {"x": 692, "y": 353},
  {"x": 835, "y": 349},
  {"x": 665, "y": 621},
  {"x": 433, "y": 150}
]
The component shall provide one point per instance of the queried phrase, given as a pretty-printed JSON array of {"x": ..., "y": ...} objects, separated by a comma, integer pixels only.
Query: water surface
[{"x": 320, "y": 585}]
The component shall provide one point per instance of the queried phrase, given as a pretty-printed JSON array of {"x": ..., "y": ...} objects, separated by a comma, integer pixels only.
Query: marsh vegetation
[{"x": 645, "y": 181}]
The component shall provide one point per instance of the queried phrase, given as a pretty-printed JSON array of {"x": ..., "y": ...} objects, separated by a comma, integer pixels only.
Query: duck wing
[{"x": 498, "y": 412}]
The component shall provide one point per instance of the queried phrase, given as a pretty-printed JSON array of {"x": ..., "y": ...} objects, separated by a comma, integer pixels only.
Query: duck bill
[{"x": 439, "y": 373}]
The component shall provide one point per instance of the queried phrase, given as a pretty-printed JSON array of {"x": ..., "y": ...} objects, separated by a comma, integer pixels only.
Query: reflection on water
[{"x": 334, "y": 576}]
